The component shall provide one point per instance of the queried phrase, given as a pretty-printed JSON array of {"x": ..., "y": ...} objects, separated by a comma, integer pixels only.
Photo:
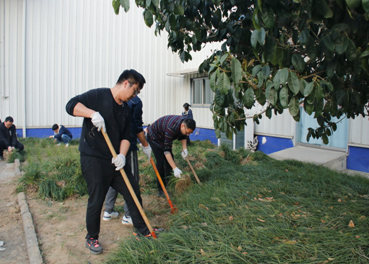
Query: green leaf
[
  {"x": 268, "y": 113},
  {"x": 276, "y": 80},
  {"x": 351, "y": 51},
  {"x": 213, "y": 78},
  {"x": 319, "y": 93},
  {"x": 365, "y": 4},
  {"x": 229, "y": 134},
  {"x": 217, "y": 133},
  {"x": 116, "y": 6},
  {"x": 302, "y": 86},
  {"x": 219, "y": 98},
  {"x": 224, "y": 83},
  {"x": 255, "y": 38},
  {"x": 318, "y": 107},
  {"x": 283, "y": 76},
  {"x": 352, "y": 4},
  {"x": 342, "y": 45},
  {"x": 309, "y": 108},
  {"x": 268, "y": 18},
  {"x": 365, "y": 53},
  {"x": 294, "y": 83},
  {"x": 256, "y": 69},
  {"x": 125, "y": 5},
  {"x": 325, "y": 139},
  {"x": 155, "y": 2},
  {"x": 272, "y": 96},
  {"x": 260, "y": 96},
  {"x": 294, "y": 106},
  {"x": 329, "y": 43},
  {"x": 267, "y": 90},
  {"x": 178, "y": 10},
  {"x": 223, "y": 58},
  {"x": 261, "y": 38},
  {"x": 298, "y": 63},
  {"x": 148, "y": 3},
  {"x": 266, "y": 71},
  {"x": 324, "y": 9},
  {"x": 248, "y": 98},
  {"x": 148, "y": 17},
  {"x": 308, "y": 88},
  {"x": 283, "y": 97},
  {"x": 236, "y": 69}
]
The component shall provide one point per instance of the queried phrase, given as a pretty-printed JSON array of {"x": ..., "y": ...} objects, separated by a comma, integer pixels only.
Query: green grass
[
  {"x": 266, "y": 211},
  {"x": 53, "y": 171}
]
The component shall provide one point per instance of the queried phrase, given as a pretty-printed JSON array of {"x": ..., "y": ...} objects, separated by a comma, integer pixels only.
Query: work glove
[
  {"x": 177, "y": 172},
  {"x": 147, "y": 151},
  {"x": 119, "y": 161},
  {"x": 184, "y": 153},
  {"x": 98, "y": 121}
]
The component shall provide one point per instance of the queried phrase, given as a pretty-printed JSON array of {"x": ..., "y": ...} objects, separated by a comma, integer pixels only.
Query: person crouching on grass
[
  {"x": 61, "y": 134},
  {"x": 160, "y": 136},
  {"x": 106, "y": 108}
]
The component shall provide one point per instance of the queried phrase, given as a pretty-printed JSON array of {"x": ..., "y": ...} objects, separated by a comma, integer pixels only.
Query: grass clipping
[{"x": 183, "y": 184}]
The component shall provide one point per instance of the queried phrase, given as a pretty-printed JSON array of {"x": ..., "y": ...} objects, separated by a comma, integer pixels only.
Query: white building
[{"x": 52, "y": 50}]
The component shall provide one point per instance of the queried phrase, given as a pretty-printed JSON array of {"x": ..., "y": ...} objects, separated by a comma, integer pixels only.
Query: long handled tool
[
  {"x": 126, "y": 180},
  {"x": 173, "y": 208},
  {"x": 193, "y": 171}
]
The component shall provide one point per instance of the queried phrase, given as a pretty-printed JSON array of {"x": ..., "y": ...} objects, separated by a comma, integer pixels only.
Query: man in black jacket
[
  {"x": 61, "y": 134},
  {"x": 8, "y": 137},
  {"x": 106, "y": 108}
]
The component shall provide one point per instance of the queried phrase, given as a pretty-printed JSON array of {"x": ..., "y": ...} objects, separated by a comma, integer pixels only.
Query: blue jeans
[{"x": 64, "y": 139}]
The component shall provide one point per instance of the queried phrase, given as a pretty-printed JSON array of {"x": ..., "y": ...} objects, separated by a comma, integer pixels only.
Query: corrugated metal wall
[
  {"x": 74, "y": 46},
  {"x": 358, "y": 132},
  {"x": 11, "y": 40}
]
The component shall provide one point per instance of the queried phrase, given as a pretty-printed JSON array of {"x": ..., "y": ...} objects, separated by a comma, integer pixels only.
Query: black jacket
[
  {"x": 8, "y": 136},
  {"x": 117, "y": 121}
]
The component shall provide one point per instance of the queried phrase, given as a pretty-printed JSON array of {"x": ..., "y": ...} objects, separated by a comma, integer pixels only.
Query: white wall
[
  {"x": 73, "y": 46},
  {"x": 358, "y": 131}
]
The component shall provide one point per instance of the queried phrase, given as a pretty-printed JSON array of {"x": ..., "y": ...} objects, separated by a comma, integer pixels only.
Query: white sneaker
[
  {"x": 108, "y": 217},
  {"x": 66, "y": 145},
  {"x": 127, "y": 220},
  {"x": 58, "y": 145}
]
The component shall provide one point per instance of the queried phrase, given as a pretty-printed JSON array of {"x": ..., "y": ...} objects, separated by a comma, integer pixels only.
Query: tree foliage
[{"x": 282, "y": 54}]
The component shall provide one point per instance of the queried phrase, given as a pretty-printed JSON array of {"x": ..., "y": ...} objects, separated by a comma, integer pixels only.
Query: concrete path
[{"x": 332, "y": 159}]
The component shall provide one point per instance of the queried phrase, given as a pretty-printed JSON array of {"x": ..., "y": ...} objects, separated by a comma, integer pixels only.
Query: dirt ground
[
  {"x": 60, "y": 226},
  {"x": 11, "y": 223}
]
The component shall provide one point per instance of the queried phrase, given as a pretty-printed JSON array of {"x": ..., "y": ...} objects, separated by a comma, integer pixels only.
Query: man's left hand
[
  {"x": 119, "y": 162},
  {"x": 184, "y": 153}
]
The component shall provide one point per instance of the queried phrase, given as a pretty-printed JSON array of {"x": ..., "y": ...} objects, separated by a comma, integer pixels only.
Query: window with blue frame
[{"x": 201, "y": 93}]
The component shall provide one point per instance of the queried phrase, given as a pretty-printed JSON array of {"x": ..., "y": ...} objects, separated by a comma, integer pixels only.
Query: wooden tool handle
[
  {"x": 129, "y": 186},
  {"x": 193, "y": 171}
]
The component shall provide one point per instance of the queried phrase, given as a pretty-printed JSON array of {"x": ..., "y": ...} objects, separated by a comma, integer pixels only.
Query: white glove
[
  {"x": 147, "y": 151},
  {"x": 119, "y": 161},
  {"x": 177, "y": 172},
  {"x": 184, "y": 153},
  {"x": 98, "y": 121}
]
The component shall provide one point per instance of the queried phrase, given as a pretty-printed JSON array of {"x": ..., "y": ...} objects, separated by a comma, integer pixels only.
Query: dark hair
[
  {"x": 132, "y": 76},
  {"x": 186, "y": 105},
  {"x": 55, "y": 127},
  {"x": 9, "y": 119},
  {"x": 190, "y": 123}
]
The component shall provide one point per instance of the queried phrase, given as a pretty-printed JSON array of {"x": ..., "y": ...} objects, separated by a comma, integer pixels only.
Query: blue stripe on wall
[
  {"x": 273, "y": 144},
  {"x": 198, "y": 134},
  {"x": 358, "y": 159},
  {"x": 46, "y": 132}
]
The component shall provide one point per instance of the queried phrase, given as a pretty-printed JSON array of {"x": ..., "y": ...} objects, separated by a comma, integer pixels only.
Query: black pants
[
  {"x": 18, "y": 146},
  {"x": 162, "y": 164},
  {"x": 100, "y": 174}
]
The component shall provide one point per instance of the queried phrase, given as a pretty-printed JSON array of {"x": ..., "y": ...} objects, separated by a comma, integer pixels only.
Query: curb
[{"x": 34, "y": 253}]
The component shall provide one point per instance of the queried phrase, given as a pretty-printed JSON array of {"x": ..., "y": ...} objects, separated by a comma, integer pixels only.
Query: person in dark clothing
[
  {"x": 61, "y": 134},
  {"x": 8, "y": 137},
  {"x": 160, "y": 136},
  {"x": 106, "y": 108},
  {"x": 137, "y": 132},
  {"x": 188, "y": 114}
]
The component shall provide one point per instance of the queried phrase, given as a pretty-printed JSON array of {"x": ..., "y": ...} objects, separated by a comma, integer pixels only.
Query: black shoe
[
  {"x": 157, "y": 231},
  {"x": 94, "y": 246},
  {"x": 162, "y": 194}
]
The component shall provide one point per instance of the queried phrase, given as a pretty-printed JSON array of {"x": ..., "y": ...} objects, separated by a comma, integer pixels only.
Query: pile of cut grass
[
  {"x": 266, "y": 211},
  {"x": 52, "y": 171}
]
